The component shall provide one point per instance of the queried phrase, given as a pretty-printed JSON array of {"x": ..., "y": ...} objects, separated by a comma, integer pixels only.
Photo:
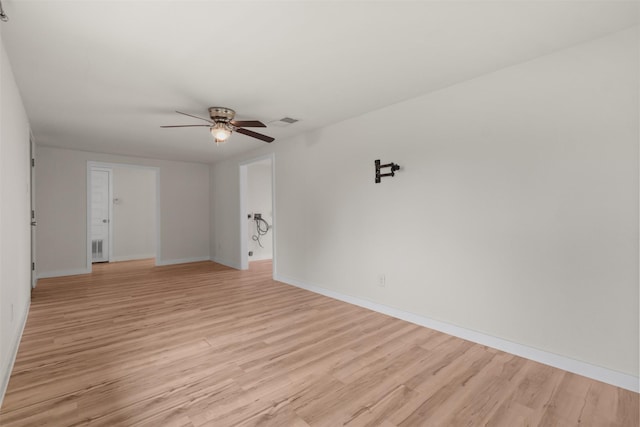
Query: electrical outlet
[{"x": 382, "y": 280}]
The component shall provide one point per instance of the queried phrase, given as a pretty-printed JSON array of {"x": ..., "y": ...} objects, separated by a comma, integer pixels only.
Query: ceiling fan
[{"x": 221, "y": 125}]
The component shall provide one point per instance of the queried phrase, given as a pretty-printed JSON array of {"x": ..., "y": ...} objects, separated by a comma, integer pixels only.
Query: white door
[
  {"x": 100, "y": 218},
  {"x": 33, "y": 215}
]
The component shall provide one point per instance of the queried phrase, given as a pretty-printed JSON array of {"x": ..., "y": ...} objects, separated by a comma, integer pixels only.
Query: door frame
[
  {"x": 109, "y": 170},
  {"x": 244, "y": 227},
  {"x": 92, "y": 165},
  {"x": 32, "y": 210}
]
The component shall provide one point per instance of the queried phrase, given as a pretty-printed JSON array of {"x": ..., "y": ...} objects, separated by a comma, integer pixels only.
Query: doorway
[
  {"x": 32, "y": 180},
  {"x": 123, "y": 212},
  {"x": 257, "y": 210},
  {"x": 101, "y": 212}
]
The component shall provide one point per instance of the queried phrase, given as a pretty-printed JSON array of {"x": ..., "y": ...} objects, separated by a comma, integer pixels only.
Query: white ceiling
[{"x": 103, "y": 76}]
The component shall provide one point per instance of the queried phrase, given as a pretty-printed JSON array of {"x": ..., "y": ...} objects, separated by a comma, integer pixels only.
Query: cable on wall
[
  {"x": 3, "y": 16},
  {"x": 262, "y": 228}
]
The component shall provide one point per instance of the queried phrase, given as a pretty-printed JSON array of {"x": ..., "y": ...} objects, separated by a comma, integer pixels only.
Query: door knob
[{"x": 33, "y": 223}]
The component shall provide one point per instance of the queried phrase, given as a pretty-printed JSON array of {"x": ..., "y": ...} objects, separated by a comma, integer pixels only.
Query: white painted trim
[
  {"x": 4, "y": 381},
  {"x": 609, "y": 376},
  {"x": 274, "y": 258},
  {"x": 158, "y": 213},
  {"x": 60, "y": 273},
  {"x": 182, "y": 261},
  {"x": 131, "y": 257},
  {"x": 88, "y": 218},
  {"x": 32, "y": 208},
  {"x": 110, "y": 223},
  {"x": 244, "y": 257},
  {"x": 94, "y": 164}
]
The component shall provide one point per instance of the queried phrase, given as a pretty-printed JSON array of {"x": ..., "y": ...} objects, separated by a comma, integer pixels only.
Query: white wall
[
  {"x": 15, "y": 240},
  {"x": 259, "y": 200},
  {"x": 61, "y": 198},
  {"x": 515, "y": 213},
  {"x": 134, "y": 212},
  {"x": 225, "y": 218}
]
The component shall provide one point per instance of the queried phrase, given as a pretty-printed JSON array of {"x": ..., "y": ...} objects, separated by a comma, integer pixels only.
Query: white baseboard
[
  {"x": 225, "y": 262},
  {"x": 131, "y": 257},
  {"x": 6, "y": 370},
  {"x": 609, "y": 376},
  {"x": 60, "y": 273},
  {"x": 182, "y": 261}
]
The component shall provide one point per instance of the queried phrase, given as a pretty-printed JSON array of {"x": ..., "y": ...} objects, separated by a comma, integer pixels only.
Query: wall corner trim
[
  {"x": 609, "y": 376},
  {"x": 6, "y": 370}
]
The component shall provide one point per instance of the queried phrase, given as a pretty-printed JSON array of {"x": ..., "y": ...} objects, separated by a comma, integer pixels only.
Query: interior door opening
[
  {"x": 101, "y": 197},
  {"x": 257, "y": 208},
  {"x": 32, "y": 180},
  {"x": 122, "y": 213}
]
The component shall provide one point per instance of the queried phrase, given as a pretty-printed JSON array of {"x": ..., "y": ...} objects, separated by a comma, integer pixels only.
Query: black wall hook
[{"x": 394, "y": 167}]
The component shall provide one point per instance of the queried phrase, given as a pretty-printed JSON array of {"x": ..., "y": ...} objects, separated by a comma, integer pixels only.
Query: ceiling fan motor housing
[{"x": 221, "y": 114}]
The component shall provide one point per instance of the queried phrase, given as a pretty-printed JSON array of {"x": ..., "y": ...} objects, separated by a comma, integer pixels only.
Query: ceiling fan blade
[
  {"x": 195, "y": 117},
  {"x": 248, "y": 124},
  {"x": 260, "y": 136},
  {"x": 185, "y": 126}
]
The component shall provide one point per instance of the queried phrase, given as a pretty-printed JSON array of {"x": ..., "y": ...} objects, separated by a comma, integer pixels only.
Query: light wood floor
[{"x": 202, "y": 344}]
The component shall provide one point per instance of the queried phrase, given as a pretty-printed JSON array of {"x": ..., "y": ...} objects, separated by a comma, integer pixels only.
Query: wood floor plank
[{"x": 201, "y": 344}]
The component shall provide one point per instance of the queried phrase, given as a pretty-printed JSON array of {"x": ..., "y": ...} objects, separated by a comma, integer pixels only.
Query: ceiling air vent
[{"x": 283, "y": 122}]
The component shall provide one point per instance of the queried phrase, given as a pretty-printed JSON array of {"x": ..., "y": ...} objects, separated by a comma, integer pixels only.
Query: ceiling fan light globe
[{"x": 220, "y": 134}]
